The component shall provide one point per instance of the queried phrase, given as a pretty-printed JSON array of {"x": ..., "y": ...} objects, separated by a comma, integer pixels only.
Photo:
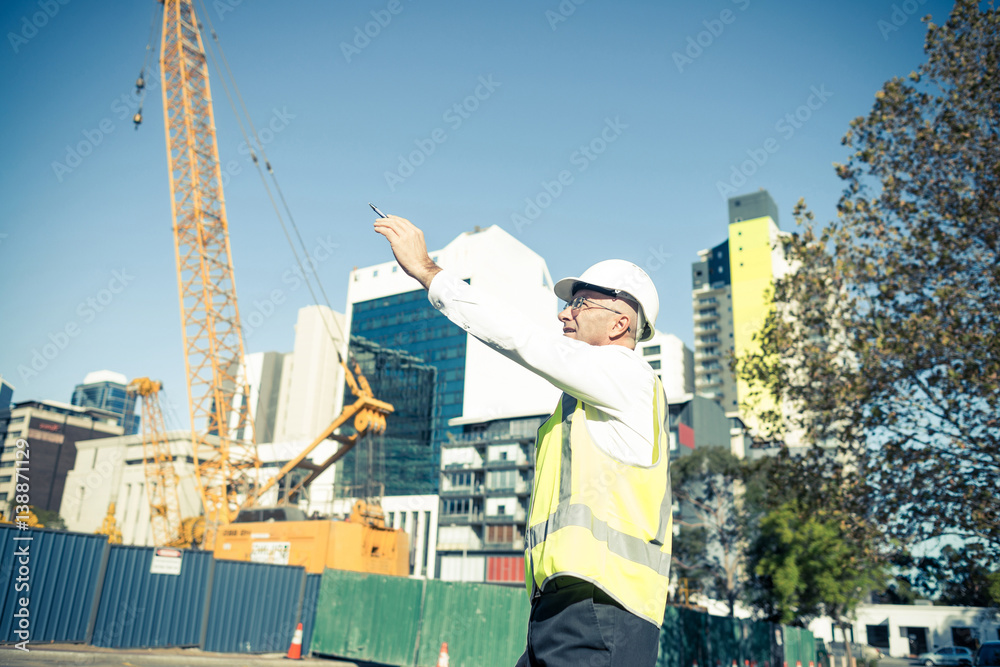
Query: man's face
[{"x": 593, "y": 322}]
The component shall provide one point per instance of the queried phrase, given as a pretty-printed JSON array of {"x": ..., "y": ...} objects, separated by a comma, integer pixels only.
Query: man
[{"x": 597, "y": 550}]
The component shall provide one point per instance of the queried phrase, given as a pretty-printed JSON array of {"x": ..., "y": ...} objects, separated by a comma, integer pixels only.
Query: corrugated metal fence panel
[
  {"x": 60, "y": 582},
  {"x": 254, "y": 607},
  {"x": 682, "y": 638},
  {"x": 800, "y": 647},
  {"x": 483, "y": 624},
  {"x": 367, "y": 617},
  {"x": 757, "y": 643},
  {"x": 140, "y": 609},
  {"x": 724, "y": 640},
  {"x": 308, "y": 618}
]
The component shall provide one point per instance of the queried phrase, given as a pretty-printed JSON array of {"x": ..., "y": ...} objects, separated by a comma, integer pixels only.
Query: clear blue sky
[{"x": 681, "y": 115}]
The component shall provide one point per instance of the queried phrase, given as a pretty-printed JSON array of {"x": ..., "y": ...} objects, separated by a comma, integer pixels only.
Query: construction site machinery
[{"x": 227, "y": 466}]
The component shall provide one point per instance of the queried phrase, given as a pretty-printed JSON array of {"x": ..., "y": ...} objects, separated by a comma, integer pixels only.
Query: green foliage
[
  {"x": 804, "y": 565},
  {"x": 884, "y": 346},
  {"x": 49, "y": 518}
]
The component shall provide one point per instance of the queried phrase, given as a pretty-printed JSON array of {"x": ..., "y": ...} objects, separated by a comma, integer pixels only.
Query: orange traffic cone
[
  {"x": 295, "y": 650},
  {"x": 443, "y": 655}
]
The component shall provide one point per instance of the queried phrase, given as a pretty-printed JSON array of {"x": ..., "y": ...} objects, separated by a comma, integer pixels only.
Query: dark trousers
[{"x": 576, "y": 624}]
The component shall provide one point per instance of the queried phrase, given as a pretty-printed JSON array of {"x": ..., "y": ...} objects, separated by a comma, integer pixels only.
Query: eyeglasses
[{"x": 580, "y": 301}]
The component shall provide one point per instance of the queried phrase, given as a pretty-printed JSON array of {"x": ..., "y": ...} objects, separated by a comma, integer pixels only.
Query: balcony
[
  {"x": 475, "y": 465},
  {"x": 456, "y": 491},
  {"x": 507, "y": 463},
  {"x": 708, "y": 369},
  {"x": 460, "y": 519},
  {"x": 701, "y": 356},
  {"x": 712, "y": 381},
  {"x": 706, "y": 315},
  {"x": 521, "y": 488},
  {"x": 466, "y": 439},
  {"x": 517, "y": 517}
]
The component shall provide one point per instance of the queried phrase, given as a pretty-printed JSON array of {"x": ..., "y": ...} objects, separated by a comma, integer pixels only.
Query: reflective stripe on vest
[{"x": 597, "y": 518}]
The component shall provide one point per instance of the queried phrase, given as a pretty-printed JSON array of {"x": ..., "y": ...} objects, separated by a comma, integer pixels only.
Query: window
[
  {"x": 5, "y": 479},
  {"x": 3, "y": 496},
  {"x": 501, "y": 534},
  {"x": 6, "y": 464},
  {"x": 654, "y": 363},
  {"x": 651, "y": 350},
  {"x": 501, "y": 510}
]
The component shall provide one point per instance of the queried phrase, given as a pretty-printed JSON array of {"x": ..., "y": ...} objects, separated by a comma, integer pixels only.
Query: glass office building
[
  {"x": 105, "y": 390},
  {"x": 409, "y": 323}
]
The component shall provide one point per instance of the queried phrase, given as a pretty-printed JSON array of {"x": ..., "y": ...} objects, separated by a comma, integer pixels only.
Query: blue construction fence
[{"x": 77, "y": 588}]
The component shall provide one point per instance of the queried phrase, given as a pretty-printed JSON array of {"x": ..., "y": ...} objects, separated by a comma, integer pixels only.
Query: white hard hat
[{"x": 618, "y": 278}]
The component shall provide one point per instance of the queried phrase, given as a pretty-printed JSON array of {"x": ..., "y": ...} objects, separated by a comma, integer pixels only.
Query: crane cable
[{"x": 253, "y": 155}]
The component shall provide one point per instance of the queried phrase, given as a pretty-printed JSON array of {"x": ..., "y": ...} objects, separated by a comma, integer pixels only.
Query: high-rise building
[
  {"x": 487, "y": 472},
  {"x": 672, "y": 361},
  {"x": 730, "y": 295},
  {"x": 391, "y": 309},
  {"x": 105, "y": 390},
  {"x": 263, "y": 375},
  {"x": 311, "y": 381},
  {"x": 52, "y": 430},
  {"x": 6, "y": 399}
]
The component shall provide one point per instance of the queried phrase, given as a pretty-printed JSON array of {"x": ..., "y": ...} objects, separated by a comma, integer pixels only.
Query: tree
[
  {"x": 709, "y": 546},
  {"x": 960, "y": 576},
  {"x": 810, "y": 552},
  {"x": 885, "y": 340}
]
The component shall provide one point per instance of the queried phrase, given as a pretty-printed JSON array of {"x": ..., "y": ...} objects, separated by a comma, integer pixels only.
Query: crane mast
[
  {"x": 225, "y": 454},
  {"x": 158, "y": 462}
]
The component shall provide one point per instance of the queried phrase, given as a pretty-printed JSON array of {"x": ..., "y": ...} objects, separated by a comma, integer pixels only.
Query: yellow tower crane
[{"x": 226, "y": 467}]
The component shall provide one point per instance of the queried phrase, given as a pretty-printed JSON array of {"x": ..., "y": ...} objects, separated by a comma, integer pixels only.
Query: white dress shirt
[{"x": 613, "y": 379}]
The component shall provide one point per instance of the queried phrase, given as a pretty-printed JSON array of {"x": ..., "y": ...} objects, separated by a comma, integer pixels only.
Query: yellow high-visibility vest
[{"x": 598, "y": 519}]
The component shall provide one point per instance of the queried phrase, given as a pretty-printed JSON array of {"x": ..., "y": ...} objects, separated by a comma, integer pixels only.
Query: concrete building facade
[
  {"x": 673, "y": 362},
  {"x": 905, "y": 631},
  {"x": 311, "y": 380},
  {"x": 110, "y": 470}
]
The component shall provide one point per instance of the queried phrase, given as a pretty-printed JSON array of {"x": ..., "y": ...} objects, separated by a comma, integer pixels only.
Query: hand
[{"x": 409, "y": 247}]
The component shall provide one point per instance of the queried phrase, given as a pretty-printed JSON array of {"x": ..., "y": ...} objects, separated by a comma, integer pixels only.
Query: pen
[{"x": 375, "y": 208}]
